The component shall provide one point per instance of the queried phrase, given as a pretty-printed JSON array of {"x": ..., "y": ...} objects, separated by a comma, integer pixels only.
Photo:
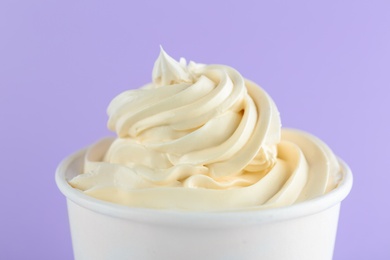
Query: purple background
[{"x": 325, "y": 63}]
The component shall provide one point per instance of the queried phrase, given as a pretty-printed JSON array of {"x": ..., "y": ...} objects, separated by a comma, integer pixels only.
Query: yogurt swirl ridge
[{"x": 201, "y": 137}]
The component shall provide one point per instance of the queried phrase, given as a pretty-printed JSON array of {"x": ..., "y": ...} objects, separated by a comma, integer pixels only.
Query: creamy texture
[{"x": 201, "y": 137}]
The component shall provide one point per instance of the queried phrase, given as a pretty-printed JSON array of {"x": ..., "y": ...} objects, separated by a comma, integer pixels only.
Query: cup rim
[{"x": 239, "y": 218}]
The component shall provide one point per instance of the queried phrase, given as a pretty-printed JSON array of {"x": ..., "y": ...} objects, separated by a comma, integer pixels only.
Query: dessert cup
[{"x": 103, "y": 230}]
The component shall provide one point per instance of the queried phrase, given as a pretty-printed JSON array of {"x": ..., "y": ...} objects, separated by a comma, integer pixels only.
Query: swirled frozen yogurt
[{"x": 203, "y": 138}]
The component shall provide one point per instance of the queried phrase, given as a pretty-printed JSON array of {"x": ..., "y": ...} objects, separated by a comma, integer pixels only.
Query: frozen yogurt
[{"x": 203, "y": 138}]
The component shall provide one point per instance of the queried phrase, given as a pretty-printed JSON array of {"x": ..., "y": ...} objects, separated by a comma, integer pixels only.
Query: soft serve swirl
[{"x": 201, "y": 137}]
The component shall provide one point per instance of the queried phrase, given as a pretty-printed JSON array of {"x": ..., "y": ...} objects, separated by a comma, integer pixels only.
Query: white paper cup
[{"x": 103, "y": 230}]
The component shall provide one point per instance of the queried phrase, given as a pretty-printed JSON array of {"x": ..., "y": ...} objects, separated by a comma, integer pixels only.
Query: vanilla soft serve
[{"x": 203, "y": 138}]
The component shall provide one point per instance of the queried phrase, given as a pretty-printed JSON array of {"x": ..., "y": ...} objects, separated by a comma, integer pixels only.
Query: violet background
[{"x": 325, "y": 63}]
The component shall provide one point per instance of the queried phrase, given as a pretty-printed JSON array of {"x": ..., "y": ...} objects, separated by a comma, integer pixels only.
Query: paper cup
[{"x": 103, "y": 230}]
